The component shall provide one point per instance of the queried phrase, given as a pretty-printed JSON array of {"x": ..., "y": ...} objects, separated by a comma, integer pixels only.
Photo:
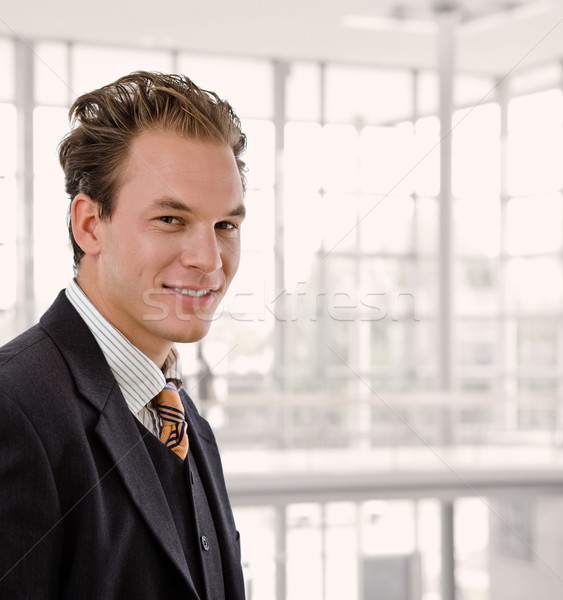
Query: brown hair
[{"x": 105, "y": 121}]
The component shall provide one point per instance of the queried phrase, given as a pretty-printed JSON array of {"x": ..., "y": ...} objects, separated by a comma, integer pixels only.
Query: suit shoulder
[
  {"x": 22, "y": 344},
  {"x": 29, "y": 352}
]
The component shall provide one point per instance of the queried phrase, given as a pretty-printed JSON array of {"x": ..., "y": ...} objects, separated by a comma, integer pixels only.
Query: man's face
[{"x": 171, "y": 248}]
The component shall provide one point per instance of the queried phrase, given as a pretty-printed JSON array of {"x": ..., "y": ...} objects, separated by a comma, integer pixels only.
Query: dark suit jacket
[{"x": 82, "y": 511}]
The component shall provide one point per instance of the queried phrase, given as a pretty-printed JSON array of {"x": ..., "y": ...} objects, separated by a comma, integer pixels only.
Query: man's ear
[{"x": 84, "y": 219}]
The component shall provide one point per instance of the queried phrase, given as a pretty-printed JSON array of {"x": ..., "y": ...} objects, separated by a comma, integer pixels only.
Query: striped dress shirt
[{"x": 138, "y": 377}]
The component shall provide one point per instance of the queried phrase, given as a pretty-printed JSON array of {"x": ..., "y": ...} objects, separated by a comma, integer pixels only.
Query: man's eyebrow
[
  {"x": 172, "y": 204},
  {"x": 239, "y": 211}
]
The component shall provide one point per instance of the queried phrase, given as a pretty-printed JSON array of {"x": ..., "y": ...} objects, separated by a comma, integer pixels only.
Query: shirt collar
[{"x": 138, "y": 377}]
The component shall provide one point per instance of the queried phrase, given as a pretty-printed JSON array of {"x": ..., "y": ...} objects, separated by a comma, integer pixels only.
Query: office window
[
  {"x": 367, "y": 95},
  {"x": 8, "y": 220},
  {"x": 426, "y": 171},
  {"x": 534, "y": 285},
  {"x": 7, "y": 83},
  {"x": 258, "y": 550},
  {"x": 53, "y": 268},
  {"x": 534, "y": 226},
  {"x": 94, "y": 66},
  {"x": 476, "y": 151},
  {"x": 535, "y": 143},
  {"x": 340, "y": 158},
  {"x": 229, "y": 77},
  {"x": 52, "y": 79},
  {"x": 303, "y": 94},
  {"x": 304, "y": 551},
  {"x": 387, "y": 160}
]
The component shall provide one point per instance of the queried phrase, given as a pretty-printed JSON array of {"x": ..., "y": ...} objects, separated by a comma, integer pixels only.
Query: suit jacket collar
[{"x": 116, "y": 428}]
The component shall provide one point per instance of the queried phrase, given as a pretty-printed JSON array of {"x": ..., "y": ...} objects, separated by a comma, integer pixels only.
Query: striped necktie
[{"x": 174, "y": 427}]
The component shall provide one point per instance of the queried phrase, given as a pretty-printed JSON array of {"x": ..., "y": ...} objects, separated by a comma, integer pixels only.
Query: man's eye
[
  {"x": 226, "y": 225},
  {"x": 170, "y": 220}
]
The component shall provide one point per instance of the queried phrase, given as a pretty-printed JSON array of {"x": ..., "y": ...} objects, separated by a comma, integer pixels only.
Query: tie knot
[
  {"x": 174, "y": 427},
  {"x": 169, "y": 404}
]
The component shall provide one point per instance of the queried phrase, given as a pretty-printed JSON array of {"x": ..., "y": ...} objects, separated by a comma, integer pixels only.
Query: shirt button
[{"x": 204, "y": 543}]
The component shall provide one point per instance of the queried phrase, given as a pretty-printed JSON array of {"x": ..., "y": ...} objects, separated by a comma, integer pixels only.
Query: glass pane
[
  {"x": 386, "y": 224},
  {"x": 341, "y": 558},
  {"x": 428, "y": 88},
  {"x": 476, "y": 287},
  {"x": 472, "y": 547},
  {"x": 387, "y": 160},
  {"x": 53, "y": 269},
  {"x": 370, "y": 96},
  {"x": 424, "y": 354},
  {"x": 392, "y": 344},
  {"x": 477, "y": 226},
  {"x": 239, "y": 349},
  {"x": 339, "y": 222},
  {"x": 476, "y": 151},
  {"x": 8, "y": 140},
  {"x": 534, "y": 285},
  {"x": 304, "y": 558},
  {"x": 426, "y": 173},
  {"x": 427, "y": 226},
  {"x": 534, "y": 224},
  {"x": 533, "y": 112},
  {"x": 257, "y": 528},
  {"x": 303, "y": 92},
  {"x": 225, "y": 77},
  {"x": 251, "y": 292},
  {"x": 95, "y": 66},
  {"x": 537, "y": 342},
  {"x": 260, "y": 153},
  {"x": 302, "y": 235},
  {"x": 477, "y": 342},
  {"x": 8, "y": 258},
  {"x": 7, "y": 81},
  {"x": 52, "y": 85},
  {"x": 392, "y": 276},
  {"x": 423, "y": 284},
  {"x": 8, "y": 219},
  {"x": 534, "y": 162},
  {"x": 340, "y": 158},
  {"x": 428, "y": 540},
  {"x": 387, "y": 528},
  {"x": 303, "y": 156},
  {"x": 257, "y": 231}
]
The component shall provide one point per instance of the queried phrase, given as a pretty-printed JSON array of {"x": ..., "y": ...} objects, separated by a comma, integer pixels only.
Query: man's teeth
[{"x": 192, "y": 293}]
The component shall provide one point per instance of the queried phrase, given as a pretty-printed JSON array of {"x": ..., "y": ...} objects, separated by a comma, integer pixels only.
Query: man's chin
[{"x": 188, "y": 335}]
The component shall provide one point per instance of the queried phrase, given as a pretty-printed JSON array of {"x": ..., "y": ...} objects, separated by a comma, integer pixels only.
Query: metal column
[
  {"x": 25, "y": 291},
  {"x": 280, "y": 308},
  {"x": 281, "y": 552},
  {"x": 447, "y": 21},
  {"x": 448, "y": 586}
]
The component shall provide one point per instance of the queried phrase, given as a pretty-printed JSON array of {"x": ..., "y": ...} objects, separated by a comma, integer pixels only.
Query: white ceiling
[{"x": 310, "y": 29}]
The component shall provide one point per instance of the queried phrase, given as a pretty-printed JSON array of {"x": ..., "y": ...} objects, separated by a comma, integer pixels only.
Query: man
[{"x": 110, "y": 487}]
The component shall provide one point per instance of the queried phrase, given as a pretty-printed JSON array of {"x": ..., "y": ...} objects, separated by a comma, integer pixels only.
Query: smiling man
[{"x": 111, "y": 484}]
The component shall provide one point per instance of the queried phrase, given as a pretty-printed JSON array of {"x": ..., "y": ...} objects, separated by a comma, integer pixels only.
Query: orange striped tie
[{"x": 174, "y": 427}]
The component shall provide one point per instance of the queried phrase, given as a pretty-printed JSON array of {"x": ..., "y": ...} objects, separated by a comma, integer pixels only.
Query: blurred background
[{"x": 385, "y": 377}]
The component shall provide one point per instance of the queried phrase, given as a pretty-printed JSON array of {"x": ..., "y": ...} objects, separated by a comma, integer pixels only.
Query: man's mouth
[{"x": 191, "y": 293}]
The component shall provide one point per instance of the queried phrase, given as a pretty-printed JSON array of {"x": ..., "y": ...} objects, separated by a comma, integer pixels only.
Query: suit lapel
[{"x": 116, "y": 428}]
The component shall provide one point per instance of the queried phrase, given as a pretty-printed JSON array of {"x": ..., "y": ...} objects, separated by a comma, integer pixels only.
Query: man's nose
[{"x": 201, "y": 248}]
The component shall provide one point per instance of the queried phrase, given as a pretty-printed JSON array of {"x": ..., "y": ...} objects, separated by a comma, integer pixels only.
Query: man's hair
[{"x": 105, "y": 122}]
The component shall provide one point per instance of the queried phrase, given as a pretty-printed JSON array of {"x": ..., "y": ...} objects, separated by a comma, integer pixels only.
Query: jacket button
[{"x": 204, "y": 543}]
